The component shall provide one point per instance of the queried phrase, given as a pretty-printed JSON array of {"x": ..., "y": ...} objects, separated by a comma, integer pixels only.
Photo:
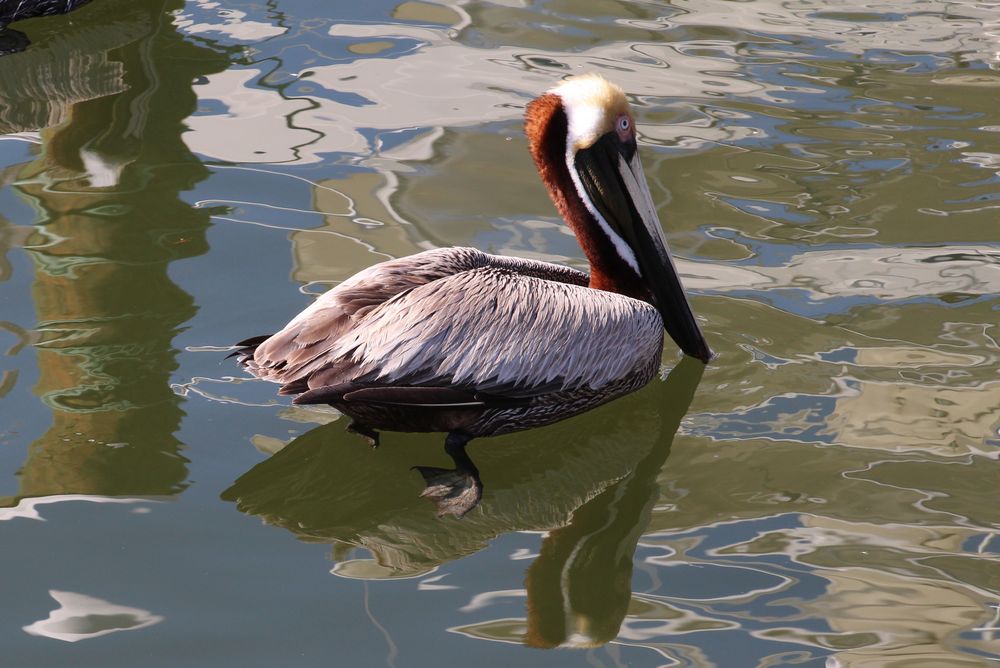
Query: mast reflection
[{"x": 107, "y": 184}]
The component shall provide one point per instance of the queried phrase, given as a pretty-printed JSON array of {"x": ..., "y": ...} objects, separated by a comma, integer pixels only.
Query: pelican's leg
[
  {"x": 365, "y": 432},
  {"x": 454, "y": 491}
]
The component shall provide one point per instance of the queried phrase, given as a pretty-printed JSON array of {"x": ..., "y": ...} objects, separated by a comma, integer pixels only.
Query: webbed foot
[
  {"x": 454, "y": 491},
  {"x": 12, "y": 41}
]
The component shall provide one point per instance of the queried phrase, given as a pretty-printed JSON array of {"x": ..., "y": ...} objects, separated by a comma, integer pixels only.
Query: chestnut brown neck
[{"x": 546, "y": 126}]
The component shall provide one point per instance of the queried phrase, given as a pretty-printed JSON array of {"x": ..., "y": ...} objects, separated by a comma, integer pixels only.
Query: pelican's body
[
  {"x": 508, "y": 338},
  {"x": 473, "y": 344}
]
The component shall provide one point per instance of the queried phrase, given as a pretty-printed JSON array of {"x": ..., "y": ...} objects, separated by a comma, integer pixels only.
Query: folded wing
[{"x": 482, "y": 325}]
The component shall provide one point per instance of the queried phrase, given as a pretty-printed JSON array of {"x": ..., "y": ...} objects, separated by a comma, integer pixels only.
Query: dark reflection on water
[
  {"x": 579, "y": 587},
  {"x": 12, "y": 41},
  {"x": 107, "y": 183},
  {"x": 591, "y": 482}
]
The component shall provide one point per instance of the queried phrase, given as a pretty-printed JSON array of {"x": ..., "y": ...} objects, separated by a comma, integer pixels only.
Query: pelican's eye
[{"x": 623, "y": 127}]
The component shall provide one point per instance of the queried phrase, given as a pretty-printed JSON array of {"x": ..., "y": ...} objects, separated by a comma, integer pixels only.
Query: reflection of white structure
[
  {"x": 81, "y": 617},
  {"x": 28, "y": 508},
  {"x": 900, "y": 417},
  {"x": 228, "y": 23},
  {"x": 884, "y": 273},
  {"x": 441, "y": 80},
  {"x": 971, "y": 29},
  {"x": 938, "y": 419},
  {"x": 911, "y": 606}
]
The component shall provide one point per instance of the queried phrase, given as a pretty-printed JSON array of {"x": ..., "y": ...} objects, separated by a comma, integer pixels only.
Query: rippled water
[{"x": 178, "y": 176}]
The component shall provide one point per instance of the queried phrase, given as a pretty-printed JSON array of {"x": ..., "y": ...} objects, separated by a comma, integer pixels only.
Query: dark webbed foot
[
  {"x": 365, "y": 432},
  {"x": 454, "y": 491},
  {"x": 12, "y": 41}
]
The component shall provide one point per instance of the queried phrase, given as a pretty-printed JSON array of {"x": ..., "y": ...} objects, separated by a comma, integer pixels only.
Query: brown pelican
[{"x": 473, "y": 344}]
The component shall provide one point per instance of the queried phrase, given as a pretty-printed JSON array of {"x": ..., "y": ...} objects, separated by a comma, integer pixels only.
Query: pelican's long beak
[{"x": 612, "y": 177}]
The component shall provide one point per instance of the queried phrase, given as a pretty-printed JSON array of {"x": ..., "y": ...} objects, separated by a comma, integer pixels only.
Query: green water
[{"x": 175, "y": 177}]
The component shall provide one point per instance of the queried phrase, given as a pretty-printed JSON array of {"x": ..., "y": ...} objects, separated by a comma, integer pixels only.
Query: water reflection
[
  {"x": 68, "y": 67},
  {"x": 580, "y": 586},
  {"x": 355, "y": 95},
  {"x": 81, "y": 617},
  {"x": 106, "y": 184},
  {"x": 590, "y": 482},
  {"x": 833, "y": 179}
]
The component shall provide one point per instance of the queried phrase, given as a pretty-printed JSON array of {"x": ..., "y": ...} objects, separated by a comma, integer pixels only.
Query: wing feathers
[
  {"x": 485, "y": 327},
  {"x": 501, "y": 332}
]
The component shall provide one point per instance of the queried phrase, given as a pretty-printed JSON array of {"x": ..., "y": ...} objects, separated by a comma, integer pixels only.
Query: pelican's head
[{"x": 582, "y": 136}]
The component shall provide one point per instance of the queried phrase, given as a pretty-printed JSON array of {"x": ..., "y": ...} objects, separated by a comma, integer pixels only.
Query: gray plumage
[{"x": 502, "y": 340}]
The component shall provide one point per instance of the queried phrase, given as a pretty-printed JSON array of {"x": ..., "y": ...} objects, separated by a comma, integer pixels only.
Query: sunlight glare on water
[{"x": 178, "y": 176}]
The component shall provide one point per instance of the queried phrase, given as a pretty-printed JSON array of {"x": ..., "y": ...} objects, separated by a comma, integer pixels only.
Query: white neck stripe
[{"x": 624, "y": 252}]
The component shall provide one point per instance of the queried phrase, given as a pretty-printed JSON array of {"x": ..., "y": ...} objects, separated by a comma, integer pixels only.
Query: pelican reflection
[{"x": 592, "y": 488}]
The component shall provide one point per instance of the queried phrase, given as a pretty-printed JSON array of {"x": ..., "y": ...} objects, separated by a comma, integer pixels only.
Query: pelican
[{"x": 461, "y": 341}]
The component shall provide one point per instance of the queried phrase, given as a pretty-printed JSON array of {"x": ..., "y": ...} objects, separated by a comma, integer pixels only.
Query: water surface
[{"x": 176, "y": 176}]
